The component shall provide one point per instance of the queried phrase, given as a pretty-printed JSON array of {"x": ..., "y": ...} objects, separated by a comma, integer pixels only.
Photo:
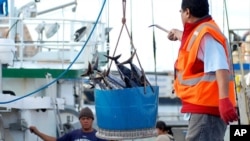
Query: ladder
[{"x": 60, "y": 130}]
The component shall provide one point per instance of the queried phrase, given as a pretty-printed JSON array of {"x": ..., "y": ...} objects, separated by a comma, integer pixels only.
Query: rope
[
  {"x": 130, "y": 37},
  {"x": 154, "y": 42},
  {"x": 131, "y": 29},
  {"x": 145, "y": 81},
  {"x": 119, "y": 37},
  {"x": 108, "y": 36}
]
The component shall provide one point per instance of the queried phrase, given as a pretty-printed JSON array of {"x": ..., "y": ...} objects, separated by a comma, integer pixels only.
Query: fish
[
  {"x": 128, "y": 76},
  {"x": 114, "y": 79},
  {"x": 107, "y": 82},
  {"x": 98, "y": 82},
  {"x": 88, "y": 85},
  {"x": 135, "y": 71},
  {"x": 95, "y": 63},
  {"x": 92, "y": 67},
  {"x": 88, "y": 71},
  {"x": 103, "y": 79},
  {"x": 138, "y": 75},
  {"x": 95, "y": 81},
  {"x": 125, "y": 72}
]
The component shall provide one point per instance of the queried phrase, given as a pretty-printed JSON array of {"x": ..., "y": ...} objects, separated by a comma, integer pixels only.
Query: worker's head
[
  {"x": 194, "y": 9},
  {"x": 162, "y": 128},
  {"x": 86, "y": 118}
]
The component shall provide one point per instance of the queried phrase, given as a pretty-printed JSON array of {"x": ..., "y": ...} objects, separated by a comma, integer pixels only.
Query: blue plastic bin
[{"x": 127, "y": 109}]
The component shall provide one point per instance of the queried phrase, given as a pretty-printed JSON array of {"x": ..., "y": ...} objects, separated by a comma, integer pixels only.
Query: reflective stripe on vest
[
  {"x": 207, "y": 76},
  {"x": 197, "y": 31},
  {"x": 193, "y": 81}
]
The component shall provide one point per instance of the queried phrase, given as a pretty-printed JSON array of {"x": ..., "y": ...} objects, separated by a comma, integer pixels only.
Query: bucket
[{"x": 126, "y": 113}]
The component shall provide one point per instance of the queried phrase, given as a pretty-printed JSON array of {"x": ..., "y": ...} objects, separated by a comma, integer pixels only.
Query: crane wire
[
  {"x": 131, "y": 27},
  {"x": 154, "y": 41}
]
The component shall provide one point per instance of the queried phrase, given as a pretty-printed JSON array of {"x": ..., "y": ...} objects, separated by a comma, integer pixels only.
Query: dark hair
[
  {"x": 197, "y": 8},
  {"x": 162, "y": 126}
]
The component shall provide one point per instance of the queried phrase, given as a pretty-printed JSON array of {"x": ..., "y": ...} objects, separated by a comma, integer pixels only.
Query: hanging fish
[
  {"x": 125, "y": 72},
  {"x": 98, "y": 83},
  {"x": 88, "y": 71},
  {"x": 108, "y": 83},
  {"x": 92, "y": 67},
  {"x": 138, "y": 76},
  {"x": 136, "y": 73},
  {"x": 114, "y": 79}
]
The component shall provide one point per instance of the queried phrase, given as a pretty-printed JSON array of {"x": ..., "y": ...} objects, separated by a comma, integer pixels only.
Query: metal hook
[{"x": 161, "y": 28}]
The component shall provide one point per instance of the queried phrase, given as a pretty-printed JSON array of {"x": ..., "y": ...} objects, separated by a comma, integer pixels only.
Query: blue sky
[{"x": 165, "y": 13}]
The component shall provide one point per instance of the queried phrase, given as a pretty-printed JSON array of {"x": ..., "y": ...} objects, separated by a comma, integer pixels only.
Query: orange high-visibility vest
[{"x": 200, "y": 88}]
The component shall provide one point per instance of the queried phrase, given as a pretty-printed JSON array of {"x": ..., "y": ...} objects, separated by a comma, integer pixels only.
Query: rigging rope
[
  {"x": 108, "y": 36},
  {"x": 154, "y": 42},
  {"x": 131, "y": 41},
  {"x": 131, "y": 26}
]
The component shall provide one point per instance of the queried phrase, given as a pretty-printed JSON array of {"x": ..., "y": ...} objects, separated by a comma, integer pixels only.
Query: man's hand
[
  {"x": 33, "y": 129},
  {"x": 227, "y": 111},
  {"x": 174, "y": 35}
]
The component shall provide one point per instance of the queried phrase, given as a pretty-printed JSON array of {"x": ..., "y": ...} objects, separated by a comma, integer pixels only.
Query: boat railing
[
  {"x": 52, "y": 40},
  {"x": 240, "y": 45}
]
